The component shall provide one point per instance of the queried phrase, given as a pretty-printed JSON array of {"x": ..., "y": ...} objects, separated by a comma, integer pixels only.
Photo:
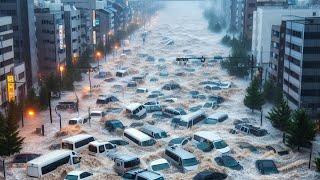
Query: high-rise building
[
  {"x": 24, "y": 35},
  {"x": 51, "y": 39},
  {"x": 301, "y": 76},
  {"x": 8, "y": 67}
]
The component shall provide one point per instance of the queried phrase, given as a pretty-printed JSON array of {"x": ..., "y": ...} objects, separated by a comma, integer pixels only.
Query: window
[
  {"x": 5, "y": 50},
  {"x": 101, "y": 149},
  {"x": 311, "y": 50},
  {"x": 84, "y": 175},
  {"x": 131, "y": 138},
  {"x": 109, "y": 146},
  {"x": 311, "y": 79},
  {"x": 132, "y": 163},
  {"x": 50, "y": 167},
  {"x": 293, "y": 60},
  {"x": 84, "y": 142}
]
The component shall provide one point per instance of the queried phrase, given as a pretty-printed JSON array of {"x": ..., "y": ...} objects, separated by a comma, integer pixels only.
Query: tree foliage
[
  {"x": 272, "y": 93},
  {"x": 280, "y": 115},
  {"x": 301, "y": 129},
  {"x": 10, "y": 141},
  {"x": 254, "y": 98},
  {"x": 317, "y": 161}
]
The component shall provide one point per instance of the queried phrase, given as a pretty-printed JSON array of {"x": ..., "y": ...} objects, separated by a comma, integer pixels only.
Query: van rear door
[{"x": 33, "y": 171}]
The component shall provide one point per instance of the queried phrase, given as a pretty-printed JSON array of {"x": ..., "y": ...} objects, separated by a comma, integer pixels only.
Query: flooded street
[{"x": 176, "y": 31}]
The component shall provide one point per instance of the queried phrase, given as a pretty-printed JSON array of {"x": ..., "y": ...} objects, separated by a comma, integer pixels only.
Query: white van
[
  {"x": 121, "y": 73},
  {"x": 136, "y": 111},
  {"x": 190, "y": 119},
  {"x": 97, "y": 148},
  {"x": 181, "y": 159},
  {"x": 218, "y": 117},
  {"x": 124, "y": 163},
  {"x": 214, "y": 139},
  {"x": 77, "y": 142},
  {"x": 97, "y": 115},
  {"x": 51, "y": 161},
  {"x": 77, "y": 120},
  {"x": 153, "y": 132},
  {"x": 138, "y": 137}
]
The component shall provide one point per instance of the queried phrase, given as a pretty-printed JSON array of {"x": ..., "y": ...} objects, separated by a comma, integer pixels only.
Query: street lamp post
[
  {"x": 61, "y": 69},
  {"x": 98, "y": 56}
]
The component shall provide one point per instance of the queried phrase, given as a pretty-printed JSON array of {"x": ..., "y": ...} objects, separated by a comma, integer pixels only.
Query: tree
[
  {"x": 268, "y": 90},
  {"x": 317, "y": 161},
  {"x": 280, "y": 116},
  {"x": 10, "y": 142},
  {"x": 254, "y": 98},
  {"x": 301, "y": 129}
]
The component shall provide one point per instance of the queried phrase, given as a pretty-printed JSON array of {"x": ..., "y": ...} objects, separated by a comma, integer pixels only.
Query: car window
[
  {"x": 101, "y": 149},
  {"x": 84, "y": 175},
  {"x": 184, "y": 142}
]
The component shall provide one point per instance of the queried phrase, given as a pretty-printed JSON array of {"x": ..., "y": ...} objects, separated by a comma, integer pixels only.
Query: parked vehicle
[
  {"x": 278, "y": 149},
  {"x": 119, "y": 142},
  {"x": 131, "y": 175},
  {"x": 136, "y": 111},
  {"x": 170, "y": 100},
  {"x": 106, "y": 99},
  {"x": 181, "y": 159},
  {"x": 211, "y": 87},
  {"x": 112, "y": 125},
  {"x": 97, "y": 148},
  {"x": 152, "y": 106},
  {"x": 215, "y": 140},
  {"x": 141, "y": 90},
  {"x": 210, "y": 175},
  {"x": 218, "y": 117},
  {"x": 164, "y": 73},
  {"x": 78, "y": 175},
  {"x": 24, "y": 157},
  {"x": 136, "y": 124},
  {"x": 138, "y": 79},
  {"x": 159, "y": 165},
  {"x": 171, "y": 112},
  {"x": 97, "y": 115},
  {"x": 153, "y": 131},
  {"x": 249, "y": 129},
  {"x": 195, "y": 108},
  {"x": 215, "y": 98},
  {"x": 131, "y": 84},
  {"x": 149, "y": 175},
  {"x": 180, "y": 141},
  {"x": 78, "y": 120},
  {"x": 51, "y": 161},
  {"x": 154, "y": 79},
  {"x": 77, "y": 142},
  {"x": 138, "y": 137},
  {"x": 121, "y": 73},
  {"x": 124, "y": 163},
  {"x": 67, "y": 105},
  {"x": 189, "y": 120},
  {"x": 266, "y": 167},
  {"x": 171, "y": 86},
  {"x": 229, "y": 162},
  {"x": 210, "y": 105}
]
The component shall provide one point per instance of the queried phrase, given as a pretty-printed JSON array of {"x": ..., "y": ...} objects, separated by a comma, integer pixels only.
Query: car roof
[
  {"x": 99, "y": 143},
  {"x": 50, "y": 156},
  {"x": 211, "y": 136},
  {"x": 181, "y": 152},
  {"x": 77, "y": 138},
  {"x": 95, "y": 112},
  {"x": 125, "y": 157},
  {"x": 149, "y": 175},
  {"x": 77, "y": 118},
  {"x": 75, "y": 173},
  {"x": 217, "y": 115},
  {"x": 152, "y": 128},
  {"x": 159, "y": 161},
  {"x": 133, "y": 106},
  {"x": 137, "y": 134}
]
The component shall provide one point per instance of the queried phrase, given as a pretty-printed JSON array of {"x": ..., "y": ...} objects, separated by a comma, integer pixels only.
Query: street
[{"x": 173, "y": 32}]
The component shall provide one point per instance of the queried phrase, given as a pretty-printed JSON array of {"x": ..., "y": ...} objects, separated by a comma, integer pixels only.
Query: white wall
[{"x": 263, "y": 19}]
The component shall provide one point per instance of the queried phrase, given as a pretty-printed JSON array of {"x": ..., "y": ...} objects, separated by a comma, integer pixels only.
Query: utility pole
[{"x": 49, "y": 102}]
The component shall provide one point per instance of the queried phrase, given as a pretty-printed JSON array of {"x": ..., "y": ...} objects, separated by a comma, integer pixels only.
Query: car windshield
[
  {"x": 117, "y": 124},
  {"x": 160, "y": 167},
  {"x": 190, "y": 162},
  {"x": 220, "y": 144},
  {"x": 133, "y": 163},
  {"x": 164, "y": 134},
  {"x": 71, "y": 177},
  {"x": 269, "y": 167}
]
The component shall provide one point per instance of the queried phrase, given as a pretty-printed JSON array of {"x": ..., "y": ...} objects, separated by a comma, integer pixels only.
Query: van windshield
[
  {"x": 66, "y": 145},
  {"x": 160, "y": 167},
  {"x": 190, "y": 162},
  {"x": 71, "y": 177},
  {"x": 220, "y": 144},
  {"x": 132, "y": 163}
]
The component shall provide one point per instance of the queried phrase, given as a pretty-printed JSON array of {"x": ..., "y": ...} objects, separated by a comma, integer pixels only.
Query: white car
[
  {"x": 159, "y": 165},
  {"x": 77, "y": 175}
]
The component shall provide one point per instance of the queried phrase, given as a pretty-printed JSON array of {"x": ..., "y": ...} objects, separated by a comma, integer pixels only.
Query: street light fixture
[{"x": 98, "y": 57}]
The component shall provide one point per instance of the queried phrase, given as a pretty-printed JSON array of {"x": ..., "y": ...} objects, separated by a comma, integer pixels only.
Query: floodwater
[{"x": 178, "y": 30}]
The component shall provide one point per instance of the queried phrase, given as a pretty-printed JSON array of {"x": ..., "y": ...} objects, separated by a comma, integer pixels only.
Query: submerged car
[
  {"x": 266, "y": 167},
  {"x": 210, "y": 175},
  {"x": 78, "y": 175},
  {"x": 229, "y": 162},
  {"x": 180, "y": 141},
  {"x": 112, "y": 125},
  {"x": 159, "y": 165},
  {"x": 119, "y": 142}
]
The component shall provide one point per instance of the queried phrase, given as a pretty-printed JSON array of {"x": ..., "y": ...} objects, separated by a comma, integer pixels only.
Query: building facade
[
  {"x": 51, "y": 39},
  {"x": 24, "y": 35},
  {"x": 301, "y": 77}
]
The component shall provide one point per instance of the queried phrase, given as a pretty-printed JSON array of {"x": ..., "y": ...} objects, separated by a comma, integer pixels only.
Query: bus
[
  {"x": 51, "y": 161},
  {"x": 77, "y": 142}
]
